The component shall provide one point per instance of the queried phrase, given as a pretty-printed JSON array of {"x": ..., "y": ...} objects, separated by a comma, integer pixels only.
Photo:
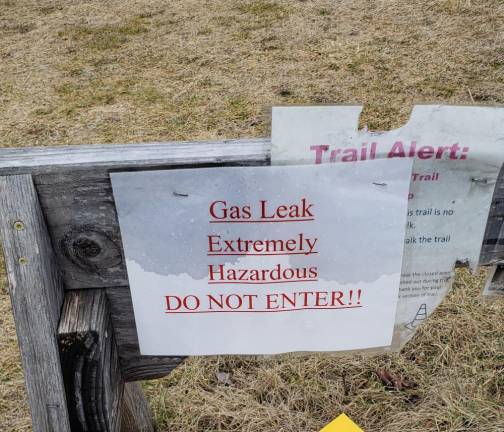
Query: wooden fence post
[
  {"x": 94, "y": 384},
  {"x": 36, "y": 292}
]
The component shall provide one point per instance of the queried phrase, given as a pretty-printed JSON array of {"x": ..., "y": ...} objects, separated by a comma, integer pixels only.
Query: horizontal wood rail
[{"x": 75, "y": 194}]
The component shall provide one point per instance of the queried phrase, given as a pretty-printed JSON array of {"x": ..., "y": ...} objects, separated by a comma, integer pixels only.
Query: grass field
[{"x": 88, "y": 71}]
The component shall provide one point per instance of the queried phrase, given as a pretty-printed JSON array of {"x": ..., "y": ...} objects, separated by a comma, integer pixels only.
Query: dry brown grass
[
  {"x": 14, "y": 414},
  {"x": 137, "y": 70},
  {"x": 455, "y": 366}
]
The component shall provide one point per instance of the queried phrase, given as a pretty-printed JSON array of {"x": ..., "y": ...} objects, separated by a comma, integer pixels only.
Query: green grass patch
[
  {"x": 148, "y": 94},
  {"x": 105, "y": 37},
  {"x": 239, "y": 108},
  {"x": 76, "y": 96},
  {"x": 264, "y": 9}
]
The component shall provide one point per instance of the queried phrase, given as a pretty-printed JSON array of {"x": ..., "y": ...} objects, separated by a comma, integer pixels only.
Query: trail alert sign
[
  {"x": 264, "y": 260},
  {"x": 457, "y": 153}
]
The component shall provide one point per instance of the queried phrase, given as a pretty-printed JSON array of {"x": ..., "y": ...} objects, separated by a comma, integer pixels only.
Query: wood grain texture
[
  {"x": 47, "y": 160},
  {"x": 94, "y": 384},
  {"x": 134, "y": 366},
  {"x": 81, "y": 216},
  {"x": 492, "y": 250},
  {"x": 76, "y": 195},
  {"x": 80, "y": 210},
  {"x": 78, "y": 202},
  {"x": 36, "y": 291},
  {"x": 136, "y": 412}
]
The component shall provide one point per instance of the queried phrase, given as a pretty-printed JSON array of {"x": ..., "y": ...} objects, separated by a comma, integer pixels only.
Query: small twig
[
  {"x": 27, "y": 78},
  {"x": 470, "y": 95},
  {"x": 346, "y": 388}
]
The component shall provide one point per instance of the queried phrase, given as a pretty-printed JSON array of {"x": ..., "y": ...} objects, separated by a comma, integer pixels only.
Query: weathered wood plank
[
  {"x": 492, "y": 249},
  {"x": 93, "y": 381},
  {"x": 80, "y": 209},
  {"x": 95, "y": 388},
  {"x": 136, "y": 412},
  {"x": 81, "y": 216},
  {"x": 36, "y": 291},
  {"x": 133, "y": 365},
  {"x": 87, "y": 232},
  {"x": 76, "y": 195},
  {"x": 46, "y": 160}
]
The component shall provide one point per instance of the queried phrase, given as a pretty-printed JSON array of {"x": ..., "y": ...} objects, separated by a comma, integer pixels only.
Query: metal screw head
[
  {"x": 23, "y": 260},
  {"x": 19, "y": 226}
]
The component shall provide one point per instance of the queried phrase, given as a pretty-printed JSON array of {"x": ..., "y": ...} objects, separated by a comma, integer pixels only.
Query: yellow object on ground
[{"x": 342, "y": 423}]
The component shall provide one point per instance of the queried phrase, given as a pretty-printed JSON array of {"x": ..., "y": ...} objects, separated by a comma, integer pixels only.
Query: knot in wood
[
  {"x": 86, "y": 247},
  {"x": 90, "y": 249}
]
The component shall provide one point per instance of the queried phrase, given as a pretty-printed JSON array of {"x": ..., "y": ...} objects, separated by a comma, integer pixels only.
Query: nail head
[{"x": 19, "y": 226}]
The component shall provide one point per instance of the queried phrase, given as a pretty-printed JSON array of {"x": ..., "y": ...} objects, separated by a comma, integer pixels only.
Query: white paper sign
[
  {"x": 264, "y": 260},
  {"x": 457, "y": 153}
]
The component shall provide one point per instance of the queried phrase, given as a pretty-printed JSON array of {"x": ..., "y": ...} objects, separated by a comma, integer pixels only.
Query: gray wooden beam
[
  {"x": 81, "y": 216},
  {"x": 36, "y": 292},
  {"x": 50, "y": 160},
  {"x": 492, "y": 250},
  {"x": 79, "y": 206},
  {"x": 134, "y": 366},
  {"x": 136, "y": 412},
  {"x": 68, "y": 168},
  {"x": 94, "y": 384}
]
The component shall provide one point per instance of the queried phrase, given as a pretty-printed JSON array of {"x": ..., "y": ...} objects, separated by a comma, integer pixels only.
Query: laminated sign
[
  {"x": 264, "y": 260},
  {"x": 457, "y": 152}
]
